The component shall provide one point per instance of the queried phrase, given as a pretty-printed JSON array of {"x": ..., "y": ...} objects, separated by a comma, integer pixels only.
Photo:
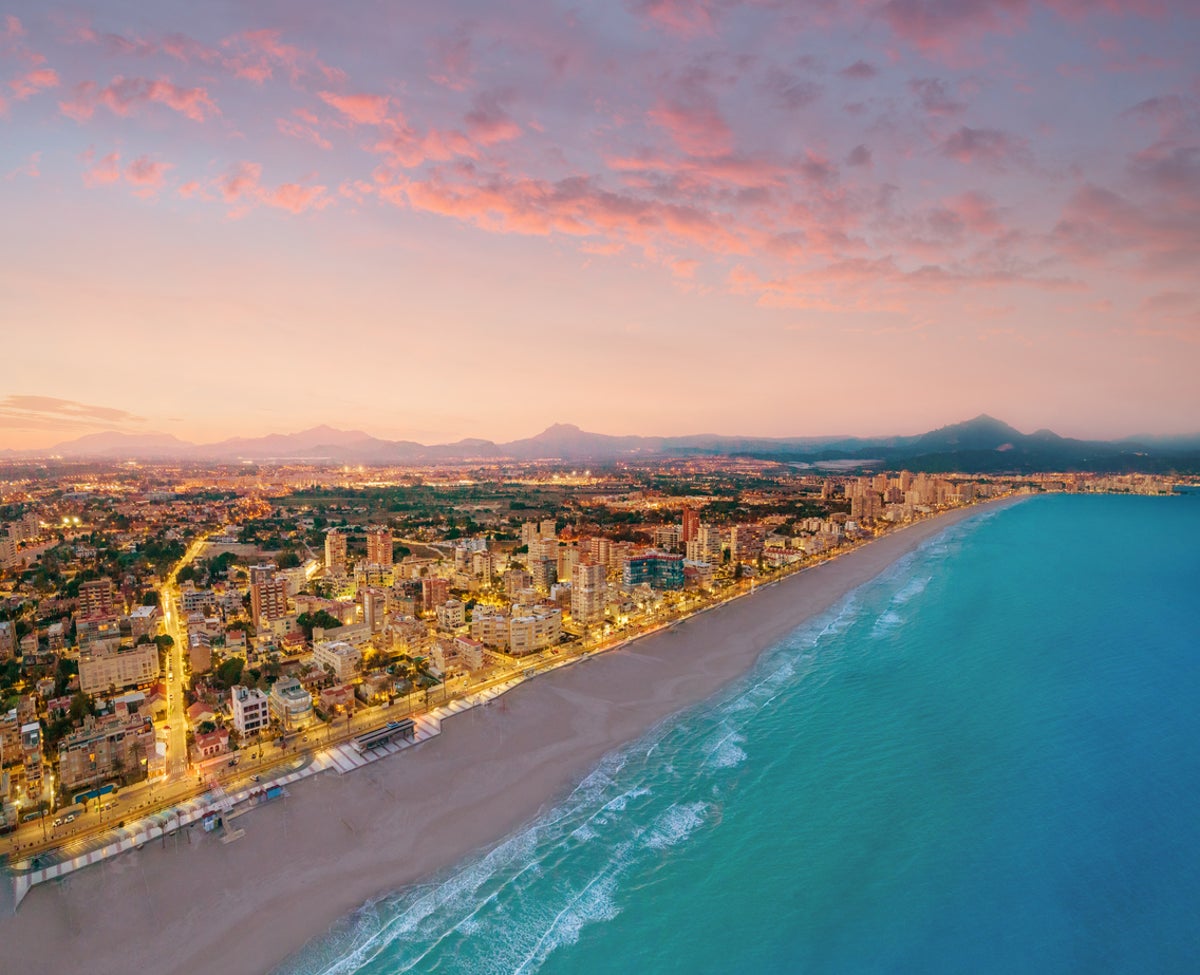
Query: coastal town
[{"x": 172, "y": 632}]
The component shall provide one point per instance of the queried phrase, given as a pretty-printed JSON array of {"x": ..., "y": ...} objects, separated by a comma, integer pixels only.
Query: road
[{"x": 175, "y": 627}]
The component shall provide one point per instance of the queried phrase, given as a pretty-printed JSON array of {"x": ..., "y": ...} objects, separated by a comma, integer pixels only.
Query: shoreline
[{"x": 336, "y": 844}]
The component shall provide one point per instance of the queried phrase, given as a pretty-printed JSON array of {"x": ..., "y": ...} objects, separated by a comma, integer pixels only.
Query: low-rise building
[
  {"x": 291, "y": 705},
  {"x": 340, "y": 657},
  {"x": 251, "y": 714},
  {"x": 143, "y": 621},
  {"x": 209, "y": 746}
]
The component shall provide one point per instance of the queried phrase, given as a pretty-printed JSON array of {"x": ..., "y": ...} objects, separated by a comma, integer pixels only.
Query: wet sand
[{"x": 337, "y": 841}]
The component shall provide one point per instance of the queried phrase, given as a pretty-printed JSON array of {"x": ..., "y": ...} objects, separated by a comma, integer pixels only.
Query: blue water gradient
[{"x": 984, "y": 761}]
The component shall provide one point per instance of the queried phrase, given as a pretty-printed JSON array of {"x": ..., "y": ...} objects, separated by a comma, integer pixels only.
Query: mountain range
[{"x": 983, "y": 445}]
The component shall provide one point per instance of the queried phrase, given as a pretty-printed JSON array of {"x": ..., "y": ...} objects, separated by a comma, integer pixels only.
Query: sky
[{"x": 478, "y": 218}]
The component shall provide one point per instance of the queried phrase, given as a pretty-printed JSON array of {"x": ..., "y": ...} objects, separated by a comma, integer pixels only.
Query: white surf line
[{"x": 342, "y": 758}]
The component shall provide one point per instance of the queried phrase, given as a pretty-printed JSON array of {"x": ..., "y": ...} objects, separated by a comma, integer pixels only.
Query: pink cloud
[
  {"x": 105, "y": 172},
  {"x": 241, "y": 187},
  {"x": 990, "y": 147},
  {"x": 687, "y": 18},
  {"x": 146, "y": 174},
  {"x": 790, "y": 92},
  {"x": 860, "y": 70},
  {"x": 575, "y": 206},
  {"x": 241, "y": 182},
  {"x": 976, "y": 211},
  {"x": 31, "y": 168},
  {"x": 859, "y": 156},
  {"x": 123, "y": 95},
  {"x": 735, "y": 170},
  {"x": 361, "y": 109},
  {"x": 488, "y": 122},
  {"x": 939, "y": 25},
  {"x": 258, "y": 50},
  {"x": 451, "y": 62},
  {"x": 1099, "y": 225},
  {"x": 306, "y": 133},
  {"x": 33, "y": 81},
  {"x": 296, "y": 198},
  {"x": 1172, "y": 171},
  {"x": 12, "y": 28},
  {"x": 694, "y": 121},
  {"x": 933, "y": 96}
]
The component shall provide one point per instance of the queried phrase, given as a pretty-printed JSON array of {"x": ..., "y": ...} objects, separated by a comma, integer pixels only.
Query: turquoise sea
[{"x": 985, "y": 761}]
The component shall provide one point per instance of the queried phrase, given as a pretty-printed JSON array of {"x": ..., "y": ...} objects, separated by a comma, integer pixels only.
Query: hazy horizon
[
  {"x": 762, "y": 219},
  {"x": 798, "y": 434}
]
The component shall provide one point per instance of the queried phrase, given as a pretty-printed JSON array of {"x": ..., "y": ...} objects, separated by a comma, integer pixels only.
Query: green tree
[
  {"x": 229, "y": 672},
  {"x": 309, "y": 621}
]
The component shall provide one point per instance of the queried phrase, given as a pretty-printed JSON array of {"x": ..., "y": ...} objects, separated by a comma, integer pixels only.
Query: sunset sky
[{"x": 437, "y": 220}]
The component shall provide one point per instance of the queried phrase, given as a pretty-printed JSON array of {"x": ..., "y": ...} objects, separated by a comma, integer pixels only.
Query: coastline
[{"x": 338, "y": 842}]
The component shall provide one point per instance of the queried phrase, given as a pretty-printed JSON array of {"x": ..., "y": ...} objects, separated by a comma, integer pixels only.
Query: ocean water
[{"x": 985, "y": 761}]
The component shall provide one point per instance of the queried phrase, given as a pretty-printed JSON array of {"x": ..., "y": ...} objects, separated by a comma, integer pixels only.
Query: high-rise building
[
  {"x": 746, "y": 542},
  {"x": 568, "y": 556},
  {"x": 374, "y": 605},
  {"x": 600, "y": 550},
  {"x": 379, "y": 546},
  {"x": 661, "y": 570},
  {"x": 96, "y": 599},
  {"x": 690, "y": 526},
  {"x": 268, "y": 600},
  {"x": 711, "y": 542},
  {"x": 335, "y": 552},
  {"x": 434, "y": 592},
  {"x": 262, "y": 573},
  {"x": 588, "y": 592}
]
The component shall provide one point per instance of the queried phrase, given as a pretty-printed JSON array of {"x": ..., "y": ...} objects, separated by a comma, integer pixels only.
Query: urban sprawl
[{"x": 170, "y": 631}]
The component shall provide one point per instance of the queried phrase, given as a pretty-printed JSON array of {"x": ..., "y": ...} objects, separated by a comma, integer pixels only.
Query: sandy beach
[{"x": 195, "y": 904}]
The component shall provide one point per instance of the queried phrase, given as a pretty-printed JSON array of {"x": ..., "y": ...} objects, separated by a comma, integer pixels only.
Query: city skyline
[{"x": 654, "y": 218}]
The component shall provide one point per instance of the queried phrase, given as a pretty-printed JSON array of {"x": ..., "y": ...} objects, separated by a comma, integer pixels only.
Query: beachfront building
[
  {"x": 460, "y": 654},
  {"x": 659, "y": 570},
  {"x": 290, "y": 704},
  {"x": 490, "y": 628},
  {"x": 251, "y": 713},
  {"x": 102, "y": 667},
  {"x": 588, "y": 592},
  {"x": 120, "y": 745},
  {"x": 210, "y": 746},
  {"x": 528, "y": 633}
]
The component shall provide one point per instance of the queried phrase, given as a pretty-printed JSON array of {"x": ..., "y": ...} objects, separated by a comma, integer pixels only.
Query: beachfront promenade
[{"x": 167, "y": 822}]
